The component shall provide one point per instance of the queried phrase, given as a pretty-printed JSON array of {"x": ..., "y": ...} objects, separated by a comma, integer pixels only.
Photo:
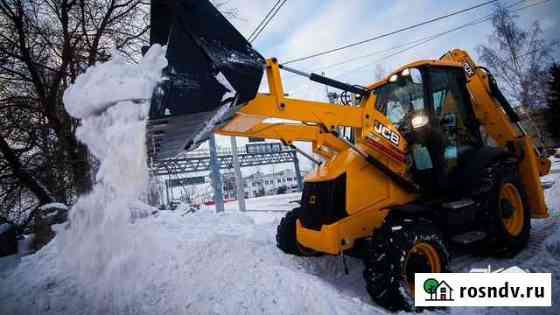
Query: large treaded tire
[
  {"x": 385, "y": 262},
  {"x": 501, "y": 242},
  {"x": 286, "y": 238}
]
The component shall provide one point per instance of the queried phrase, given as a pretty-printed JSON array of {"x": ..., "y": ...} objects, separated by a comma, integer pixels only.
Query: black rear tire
[
  {"x": 389, "y": 274},
  {"x": 286, "y": 238},
  {"x": 501, "y": 240}
]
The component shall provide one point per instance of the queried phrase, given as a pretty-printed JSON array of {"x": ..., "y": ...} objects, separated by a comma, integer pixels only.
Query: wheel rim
[
  {"x": 510, "y": 197},
  {"x": 422, "y": 257}
]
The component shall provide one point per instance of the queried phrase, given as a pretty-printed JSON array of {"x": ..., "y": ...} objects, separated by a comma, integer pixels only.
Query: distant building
[
  {"x": 230, "y": 192},
  {"x": 261, "y": 184}
]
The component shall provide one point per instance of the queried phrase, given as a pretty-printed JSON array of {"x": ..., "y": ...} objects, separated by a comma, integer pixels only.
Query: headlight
[{"x": 419, "y": 120}]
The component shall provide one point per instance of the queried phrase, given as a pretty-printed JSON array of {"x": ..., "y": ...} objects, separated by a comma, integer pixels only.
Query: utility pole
[
  {"x": 215, "y": 175},
  {"x": 240, "y": 185},
  {"x": 166, "y": 191},
  {"x": 171, "y": 196}
]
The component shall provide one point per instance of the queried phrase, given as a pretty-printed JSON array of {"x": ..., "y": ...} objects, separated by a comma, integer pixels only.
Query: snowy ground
[
  {"x": 265, "y": 209},
  {"x": 205, "y": 263}
]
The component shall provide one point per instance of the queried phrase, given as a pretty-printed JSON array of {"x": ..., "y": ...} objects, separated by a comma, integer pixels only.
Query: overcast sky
[{"x": 303, "y": 27}]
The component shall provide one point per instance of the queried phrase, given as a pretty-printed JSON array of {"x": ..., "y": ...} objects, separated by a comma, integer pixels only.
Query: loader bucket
[{"x": 212, "y": 71}]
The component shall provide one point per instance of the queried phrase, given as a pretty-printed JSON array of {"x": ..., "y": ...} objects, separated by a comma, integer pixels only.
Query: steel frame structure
[{"x": 199, "y": 161}]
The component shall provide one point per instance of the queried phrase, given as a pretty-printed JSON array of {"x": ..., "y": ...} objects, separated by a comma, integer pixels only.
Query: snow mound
[
  {"x": 204, "y": 263},
  {"x": 552, "y": 244}
]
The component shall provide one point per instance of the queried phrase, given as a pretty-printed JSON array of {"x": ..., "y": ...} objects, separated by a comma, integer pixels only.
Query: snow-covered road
[{"x": 207, "y": 263}]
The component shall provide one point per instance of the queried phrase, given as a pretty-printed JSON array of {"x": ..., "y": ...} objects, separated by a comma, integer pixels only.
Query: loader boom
[
  {"x": 317, "y": 121},
  {"x": 276, "y": 105}
]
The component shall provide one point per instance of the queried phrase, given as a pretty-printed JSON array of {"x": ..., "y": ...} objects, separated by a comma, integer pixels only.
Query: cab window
[{"x": 398, "y": 100}]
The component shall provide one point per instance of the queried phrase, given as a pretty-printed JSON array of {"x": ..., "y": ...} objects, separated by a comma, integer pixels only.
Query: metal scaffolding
[{"x": 199, "y": 161}]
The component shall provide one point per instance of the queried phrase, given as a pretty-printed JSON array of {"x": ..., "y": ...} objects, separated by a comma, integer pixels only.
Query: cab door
[
  {"x": 452, "y": 132},
  {"x": 452, "y": 115}
]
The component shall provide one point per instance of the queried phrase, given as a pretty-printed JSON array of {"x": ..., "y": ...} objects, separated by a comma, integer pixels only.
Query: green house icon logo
[{"x": 438, "y": 290}]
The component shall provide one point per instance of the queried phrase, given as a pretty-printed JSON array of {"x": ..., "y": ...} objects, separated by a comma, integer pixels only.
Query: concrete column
[
  {"x": 298, "y": 172},
  {"x": 239, "y": 183},
  {"x": 215, "y": 175},
  {"x": 166, "y": 182}
]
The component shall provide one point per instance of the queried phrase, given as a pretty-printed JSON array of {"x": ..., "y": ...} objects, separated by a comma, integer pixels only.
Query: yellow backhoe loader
[{"x": 437, "y": 155}]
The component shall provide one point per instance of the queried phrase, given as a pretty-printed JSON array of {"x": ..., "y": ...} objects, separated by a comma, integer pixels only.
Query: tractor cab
[{"x": 431, "y": 108}]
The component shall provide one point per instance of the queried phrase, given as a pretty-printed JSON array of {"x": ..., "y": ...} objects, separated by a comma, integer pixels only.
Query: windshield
[{"x": 400, "y": 99}]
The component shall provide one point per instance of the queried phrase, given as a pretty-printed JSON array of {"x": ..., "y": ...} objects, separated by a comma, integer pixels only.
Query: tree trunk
[
  {"x": 81, "y": 169},
  {"x": 19, "y": 171},
  {"x": 78, "y": 157}
]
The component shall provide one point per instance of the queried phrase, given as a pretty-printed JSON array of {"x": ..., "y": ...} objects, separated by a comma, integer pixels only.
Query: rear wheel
[
  {"x": 286, "y": 238},
  {"x": 509, "y": 214},
  {"x": 395, "y": 254}
]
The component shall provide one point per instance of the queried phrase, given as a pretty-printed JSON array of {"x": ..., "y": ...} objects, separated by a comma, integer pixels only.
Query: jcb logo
[
  {"x": 468, "y": 69},
  {"x": 387, "y": 133},
  {"x": 312, "y": 199}
]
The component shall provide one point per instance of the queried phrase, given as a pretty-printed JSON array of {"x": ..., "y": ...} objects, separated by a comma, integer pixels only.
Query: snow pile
[
  {"x": 100, "y": 246},
  {"x": 553, "y": 200},
  {"x": 552, "y": 194},
  {"x": 204, "y": 263}
]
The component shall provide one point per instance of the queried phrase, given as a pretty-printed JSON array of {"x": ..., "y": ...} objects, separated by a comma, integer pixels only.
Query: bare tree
[
  {"x": 518, "y": 58},
  {"x": 44, "y": 46}
]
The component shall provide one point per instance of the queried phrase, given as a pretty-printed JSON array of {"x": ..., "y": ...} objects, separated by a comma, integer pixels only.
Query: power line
[
  {"x": 423, "y": 40},
  {"x": 266, "y": 20},
  {"x": 432, "y": 37},
  {"x": 390, "y": 33},
  {"x": 435, "y": 36}
]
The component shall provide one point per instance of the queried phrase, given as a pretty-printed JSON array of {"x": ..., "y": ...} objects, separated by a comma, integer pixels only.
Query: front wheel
[
  {"x": 286, "y": 238},
  {"x": 395, "y": 254}
]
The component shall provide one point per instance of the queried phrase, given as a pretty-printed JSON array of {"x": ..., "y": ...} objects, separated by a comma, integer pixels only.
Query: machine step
[
  {"x": 469, "y": 237},
  {"x": 459, "y": 204}
]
